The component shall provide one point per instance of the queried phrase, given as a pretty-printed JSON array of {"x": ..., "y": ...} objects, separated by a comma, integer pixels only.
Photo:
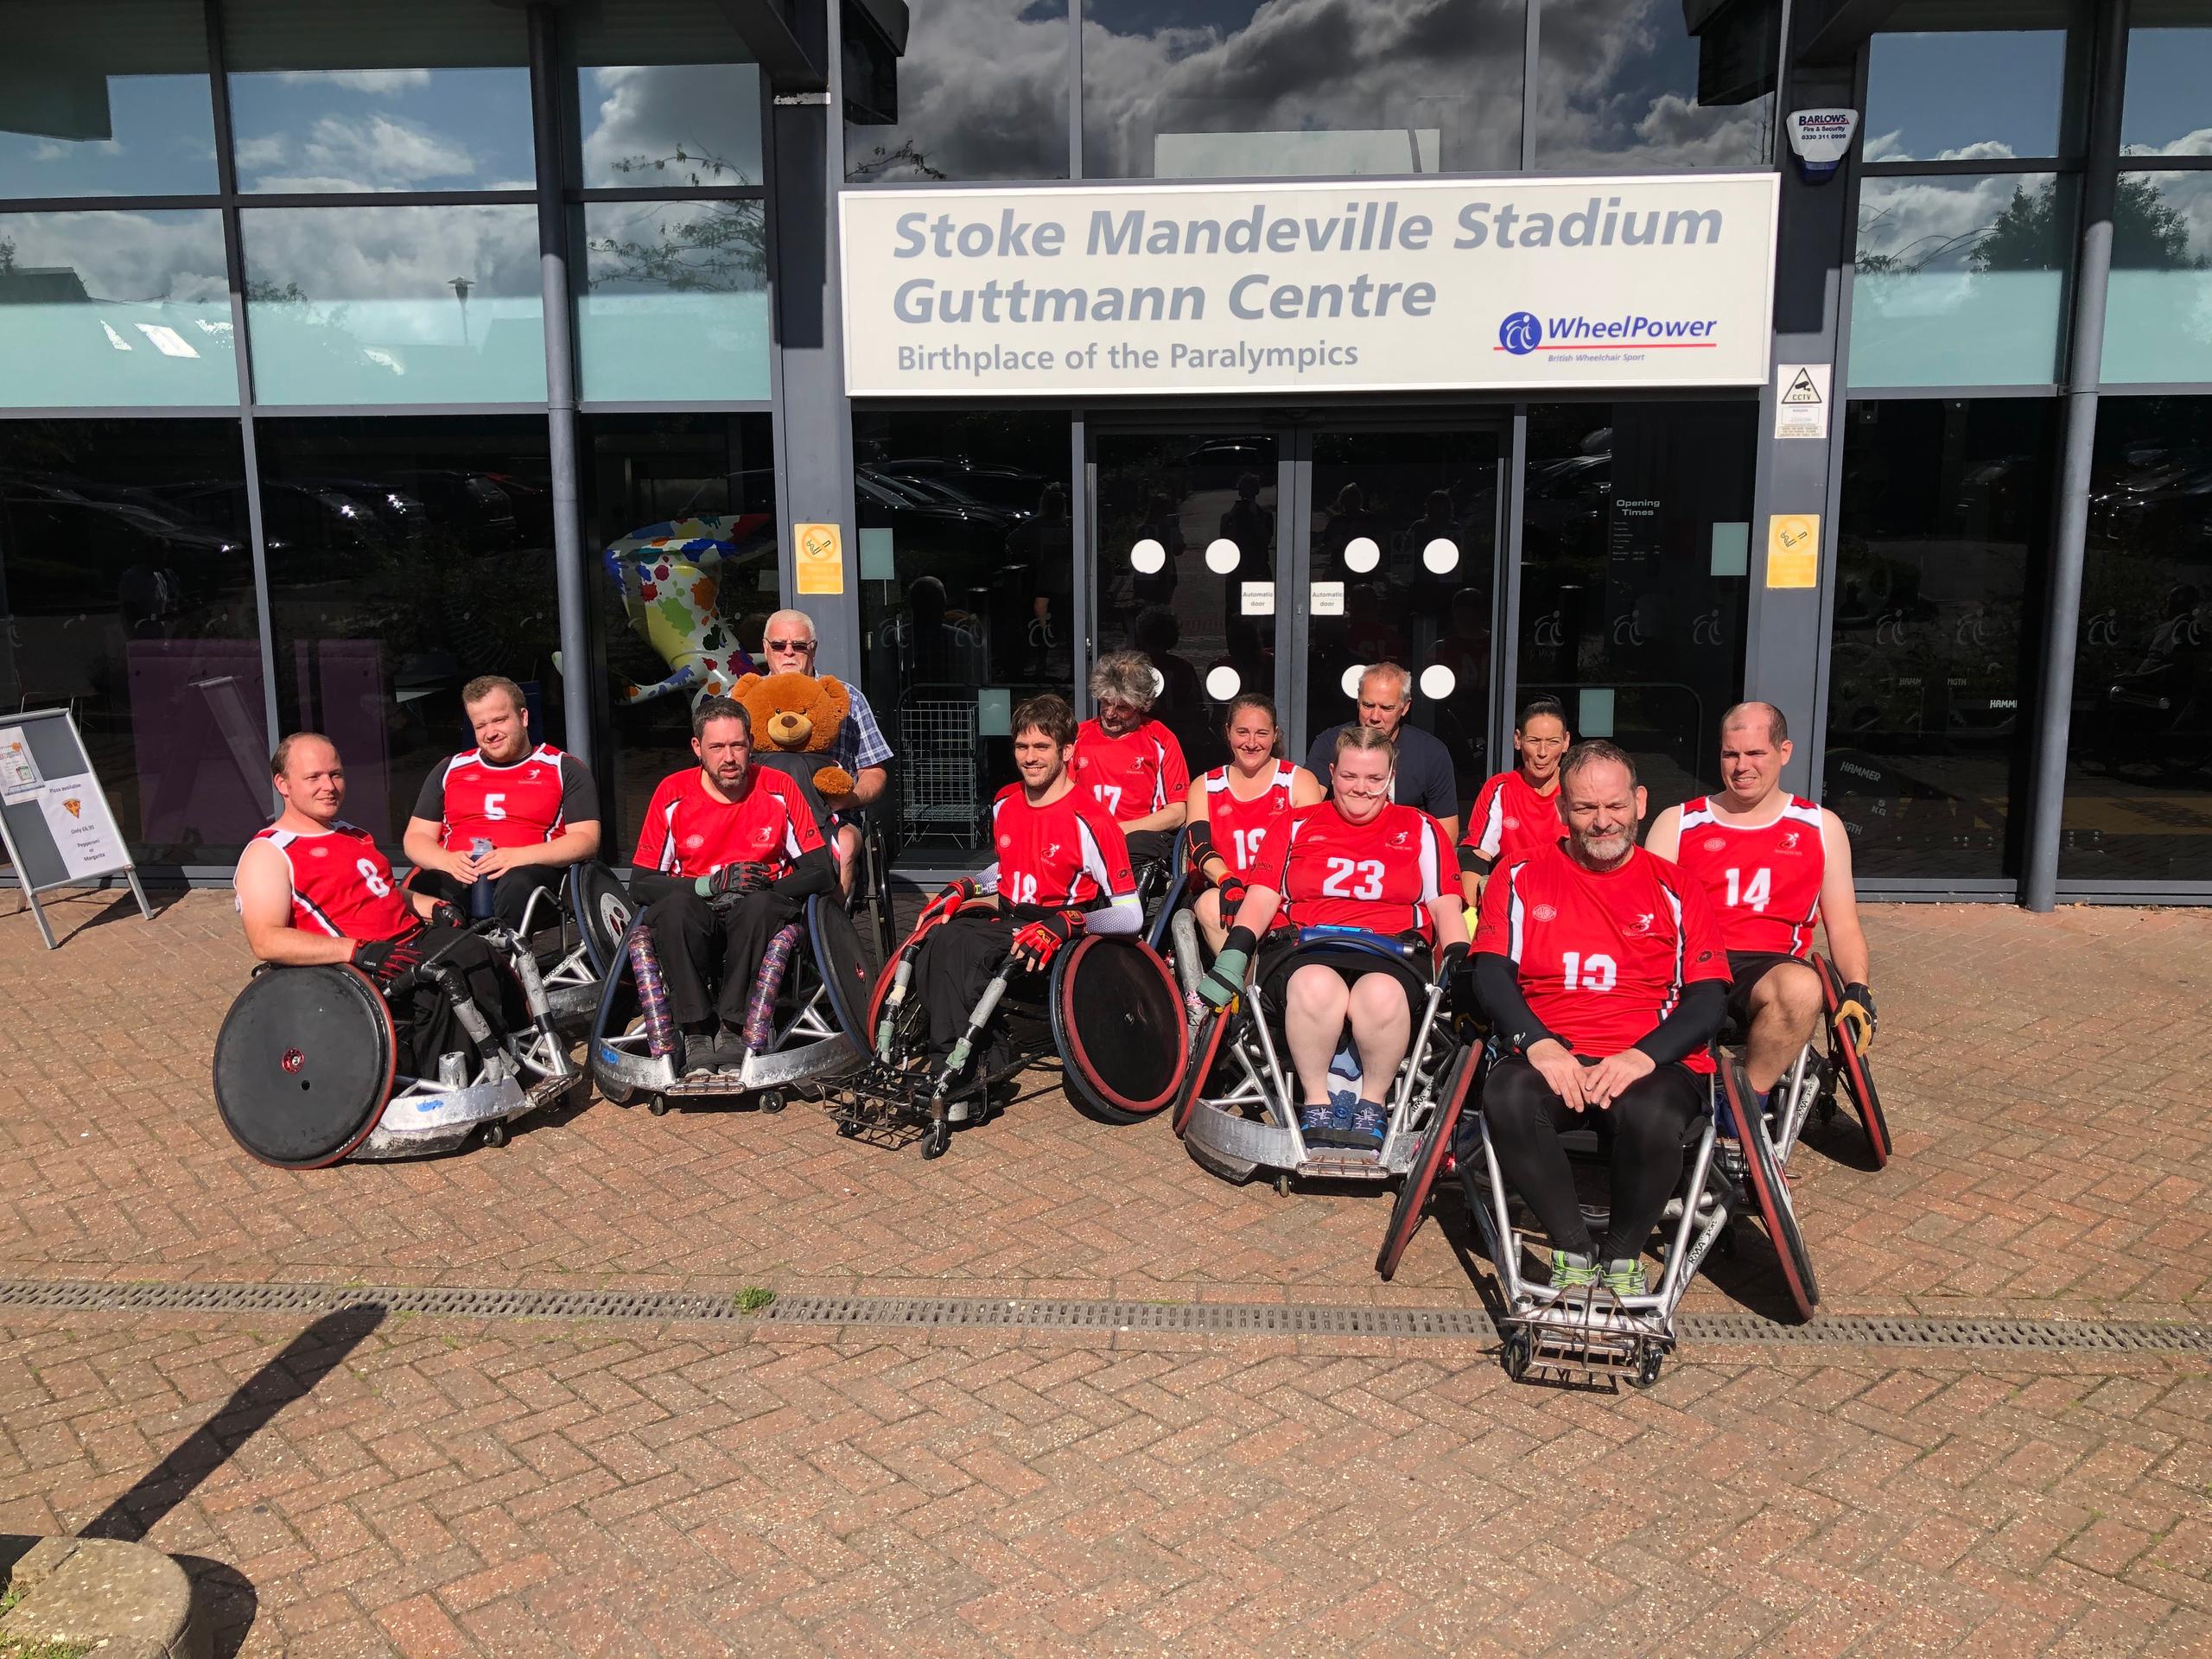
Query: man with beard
[{"x": 1604, "y": 977}]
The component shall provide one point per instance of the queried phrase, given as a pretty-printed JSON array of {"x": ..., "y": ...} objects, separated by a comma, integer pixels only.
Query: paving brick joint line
[{"x": 1064, "y": 1314}]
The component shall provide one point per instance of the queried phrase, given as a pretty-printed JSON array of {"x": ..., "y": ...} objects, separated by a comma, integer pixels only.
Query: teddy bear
[{"x": 796, "y": 715}]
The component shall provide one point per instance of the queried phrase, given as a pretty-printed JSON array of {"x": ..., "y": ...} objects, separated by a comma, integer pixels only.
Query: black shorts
[
  {"x": 1745, "y": 969},
  {"x": 1280, "y": 957}
]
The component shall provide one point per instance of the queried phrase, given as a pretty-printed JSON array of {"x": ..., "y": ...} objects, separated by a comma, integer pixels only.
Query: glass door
[{"x": 1186, "y": 549}]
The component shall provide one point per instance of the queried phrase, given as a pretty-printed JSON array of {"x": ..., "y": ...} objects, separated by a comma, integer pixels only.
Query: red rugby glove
[{"x": 1041, "y": 940}]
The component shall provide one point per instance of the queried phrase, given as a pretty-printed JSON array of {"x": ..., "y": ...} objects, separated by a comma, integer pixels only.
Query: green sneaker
[
  {"x": 1572, "y": 1271},
  {"x": 1625, "y": 1278}
]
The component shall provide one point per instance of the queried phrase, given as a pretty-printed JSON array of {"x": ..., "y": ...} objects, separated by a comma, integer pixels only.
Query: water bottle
[{"x": 480, "y": 893}]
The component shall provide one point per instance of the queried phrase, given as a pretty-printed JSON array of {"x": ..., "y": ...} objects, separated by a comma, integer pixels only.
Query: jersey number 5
[
  {"x": 1754, "y": 893},
  {"x": 495, "y": 806},
  {"x": 1353, "y": 878},
  {"x": 1595, "y": 972}
]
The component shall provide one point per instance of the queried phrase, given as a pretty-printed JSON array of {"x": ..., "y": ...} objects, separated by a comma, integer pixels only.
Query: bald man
[{"x": 787, "y": 646}]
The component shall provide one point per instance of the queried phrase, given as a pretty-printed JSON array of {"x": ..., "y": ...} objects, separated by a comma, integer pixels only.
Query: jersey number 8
[{"x": 369, "y": 878}]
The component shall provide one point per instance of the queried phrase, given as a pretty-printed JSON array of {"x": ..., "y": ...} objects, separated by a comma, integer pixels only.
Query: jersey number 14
[{"x": 1752, "y": 895}]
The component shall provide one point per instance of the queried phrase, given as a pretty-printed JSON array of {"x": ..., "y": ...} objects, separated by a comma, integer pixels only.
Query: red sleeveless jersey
[
  {"x": 341, "y": 885},
  {"x": 1065, "y": 855},
  {"x": 1134, "y": 774},
  {"x": 515, "y": 805},
  {"x": 1602, "y": 958},
  {"x": 1379, "y": 875},
  {"x": 1763, "y": 879},
  {"x": 1510, "y": 820},
  {"x": 1240, "y": 829}
]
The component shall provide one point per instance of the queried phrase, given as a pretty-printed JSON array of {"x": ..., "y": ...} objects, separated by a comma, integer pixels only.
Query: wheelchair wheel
[
  {"x": 1768, "y": 1190},
  {"x": 839, "y": 959},
  {"x": 603, "y": 910},
  {"x": 1119, "y": 1026},
  {"x": 304, "y": 1063},
  {"x": 1429, "y": 1162},
  {"x": 1206, "y": 1049},
  {"x": 1850, "y": 1067}
]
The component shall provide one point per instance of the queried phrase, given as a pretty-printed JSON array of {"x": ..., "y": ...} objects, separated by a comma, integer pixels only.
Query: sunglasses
[{"x": 790, "y": 644}]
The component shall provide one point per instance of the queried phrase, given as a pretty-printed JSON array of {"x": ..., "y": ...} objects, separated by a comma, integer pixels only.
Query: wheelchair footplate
[
  {"x": 1584, "y": 1340},
  {"x": 425, "y": 1117},
  {"x": 892, "y": 1106}
]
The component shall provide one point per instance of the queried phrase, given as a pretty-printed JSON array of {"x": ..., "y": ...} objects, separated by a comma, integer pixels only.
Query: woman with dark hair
[
  {"x": 1517, "y": 812},
  {"x": 1231, "y": 810}
]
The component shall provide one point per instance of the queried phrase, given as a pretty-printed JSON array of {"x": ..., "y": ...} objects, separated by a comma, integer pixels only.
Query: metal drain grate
[{"x": 976, "y": 1314}]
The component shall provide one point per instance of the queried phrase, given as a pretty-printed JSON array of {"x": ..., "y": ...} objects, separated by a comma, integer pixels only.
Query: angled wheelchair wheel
[
  {"x": 1768, "y": 1191},
  {"x": 304, "y": 1063},
  {"x": 1206, "y": 1049},
  {"x": 1119, "y": 1026},
  {"x": 1429, "y": 1156},
  {"x": 603, "y": 910},
  {"x": 617, "y": 1030},
  {"x": 1851, "y": 1068},
  {"x": 839, "y": 958}
]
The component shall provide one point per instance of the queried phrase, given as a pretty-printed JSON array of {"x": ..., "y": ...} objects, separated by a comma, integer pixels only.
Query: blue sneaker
[
  {"x": 1369, "y": 1124},
  {"x": 1315, "y": 1123}
]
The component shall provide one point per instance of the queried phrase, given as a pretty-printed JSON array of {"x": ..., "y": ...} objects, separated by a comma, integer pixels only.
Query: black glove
[
  {"x": 733, "y": 880},
  {"x": 446, "y": 914},
  {"x": 1450, "y": 957},
  {"x": 1232, "y": 895},
  {"x": 385, "y": 960},
  {"x": 1041, "y": 940}
]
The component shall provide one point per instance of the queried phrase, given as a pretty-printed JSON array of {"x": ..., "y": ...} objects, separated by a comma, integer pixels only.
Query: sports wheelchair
[
  {"x": 573, "y": 932},
  {"x": 802, "y": 1025},
  {"x": 306, "y": 1067},
  {"x": 1730, "y": 1170},
  {"x": 1236, "y": 1105},
  {"x": 1107, "y": 1007}
]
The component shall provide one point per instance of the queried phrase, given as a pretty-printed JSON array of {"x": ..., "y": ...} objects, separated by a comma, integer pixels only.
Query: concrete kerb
[{"x": 119, "y": 1600}]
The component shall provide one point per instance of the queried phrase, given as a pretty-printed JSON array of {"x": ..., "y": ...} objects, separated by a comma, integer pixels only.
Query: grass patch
[
  {"x": 18, "y": 1647},
  {"x": 753, "y": 1298}
]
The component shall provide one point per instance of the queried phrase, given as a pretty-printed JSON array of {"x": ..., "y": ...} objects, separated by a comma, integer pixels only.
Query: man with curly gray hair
[{"x": 1130, "y": 761}]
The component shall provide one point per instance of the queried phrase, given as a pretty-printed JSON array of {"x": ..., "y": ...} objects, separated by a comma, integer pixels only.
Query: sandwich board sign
[{"x": 56, "y": 823}]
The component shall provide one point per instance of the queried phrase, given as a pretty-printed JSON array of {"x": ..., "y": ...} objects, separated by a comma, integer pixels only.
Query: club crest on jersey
[
  {"x": 1714, "y": 844},
  {"x": 1789, "y": 841},
  {"x": 693, "y": 843},
  {"x": 1051, "y": 849},
  {"x": 1512, "y": 823},
  {"x": 1641, "y": 925},
  {"x": 1400, "y": 837},
  {"x": 1545, "y": 913},
  {"x": 1005, "y": 841}
]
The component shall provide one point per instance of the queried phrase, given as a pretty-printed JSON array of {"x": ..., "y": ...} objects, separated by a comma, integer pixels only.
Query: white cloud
[
  {"x": 362, "y": 253},
  {"x": 2198, "y": 143},
  {"x": 385, "y": 83},
  {"x": 1982, "y": 149},
  {"x": 1935, "y": 224},
  {"x": 46, "y": 150},
  {"x": 1884, "y": 147},
  {"x": 129, "y": 256},
  {"x": 267, "y": 150},
  {"x": 699, "y": 109},
  {"x": 383, "y": 153}
]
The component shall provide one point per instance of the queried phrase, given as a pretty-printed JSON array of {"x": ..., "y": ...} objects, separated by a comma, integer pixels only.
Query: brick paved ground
[{"x": 515, "y": 1487}]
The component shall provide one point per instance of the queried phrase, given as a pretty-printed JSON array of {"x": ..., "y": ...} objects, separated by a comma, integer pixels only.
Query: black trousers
[
  {"x": 510, "y": 893},
  {"x": 956, "y": 962},
  {"x": 424, "y": 1017},
  {"x": 711, "y": 956},
  {"x": 1645, "y": 1125}
]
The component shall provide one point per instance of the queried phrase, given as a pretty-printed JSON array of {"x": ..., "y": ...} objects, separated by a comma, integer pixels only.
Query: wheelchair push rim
[
  {"x": 1768, "y": 1190},
  {"x": 1851, "y": 1067},
  {"x": 304, "y": 1063},
  {"x": 1119, "y": 1026},
  {"x": 1429, "y": 1157}
]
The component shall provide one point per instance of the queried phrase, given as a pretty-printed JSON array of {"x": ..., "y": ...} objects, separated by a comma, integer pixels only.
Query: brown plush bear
[{"x": 798, "y": 714}]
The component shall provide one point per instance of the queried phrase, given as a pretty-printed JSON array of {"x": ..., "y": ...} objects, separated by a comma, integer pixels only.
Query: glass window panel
[
  {"x": 1295, "y": 88},
  {"x": 406, "y": 556},
  {"x": 2138, "y": 766},
  {"x": 978, "y": 614},
  {"x": 2165, "y": 110},
  {"x": 126, "y": 593},
  {"x": 709, "y": 481},
  {"x": 1960, "y": 281},
  {"x": 676, "y": 300},
  {"x": 1622, "y": 616},
  {"x": 2159, "y": 299},
  {"x": 395, "y": 305},
  {"x": 107, "y": 98},
  {"x": 681, "y": 124},
  {"x": 1617, "y": 86},
  {"x": 435, "y": 97},
  {"x": 981, "y": 92},
  {"x": 1938, "y": 93},
  {"x": 114, "y": 307},
  {"x": 1945, "y": 510}
]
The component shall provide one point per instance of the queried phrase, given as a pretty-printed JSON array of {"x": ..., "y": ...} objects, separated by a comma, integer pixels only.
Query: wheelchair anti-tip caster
[
  {"x": 1649, "y": 1361},
  {"x": 495, "y": 1134},
  {"x": 938, "y": 1138},
  {"x": 772, "y": 1100},
  {"x": 658, "y": 1105},
  {"x": 1518, "y": 1349}
]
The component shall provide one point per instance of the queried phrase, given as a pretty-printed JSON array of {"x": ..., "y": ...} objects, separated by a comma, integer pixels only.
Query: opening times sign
[{"x": 1418, "y": 285}]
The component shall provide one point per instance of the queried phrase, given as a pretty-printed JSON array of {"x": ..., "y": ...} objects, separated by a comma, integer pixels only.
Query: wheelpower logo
[{"x": 1523, "y": 332}]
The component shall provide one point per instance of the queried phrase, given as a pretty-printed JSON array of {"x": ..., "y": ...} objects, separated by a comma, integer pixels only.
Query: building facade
[{"x": 347, "y": 351}]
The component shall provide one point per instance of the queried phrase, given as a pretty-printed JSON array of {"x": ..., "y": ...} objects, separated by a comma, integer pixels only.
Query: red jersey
[
  {"x": 1763, "y": 879},
  {"x": 689, "y": 833},
  {"x": 1063, "y": 856},
  {"x": 1379, "y": 875},
  {"x": 1602, "y": 958},
  {"x": 1510, "y": 820},
  {"x": 523, "y": 803},
  {"x": 1134, "y": 774},
  {"x": 341, "y": 885},
  {"x": 1240, "y": 829}
]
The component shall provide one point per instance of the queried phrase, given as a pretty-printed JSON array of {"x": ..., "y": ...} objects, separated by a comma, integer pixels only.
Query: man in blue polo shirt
[
  {"x": 1425, "y": 777},
  {"x": 787, "y": 647}
]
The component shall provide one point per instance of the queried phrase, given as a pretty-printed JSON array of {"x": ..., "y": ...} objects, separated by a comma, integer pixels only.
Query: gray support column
[
  {"x": 814, "y": 419},
  {"x": 579, "y": 706},
  {"x": 2046, "y": 802},
  {"x": 1787, "y": 644}
]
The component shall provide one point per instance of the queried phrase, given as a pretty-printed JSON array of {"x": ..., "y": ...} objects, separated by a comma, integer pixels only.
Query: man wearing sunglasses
[{"x": 787, "y": 647}]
